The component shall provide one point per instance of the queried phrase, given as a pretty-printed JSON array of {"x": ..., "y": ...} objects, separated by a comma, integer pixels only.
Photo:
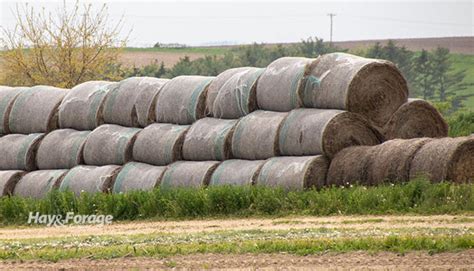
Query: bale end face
[{"x": 461, "y": 169}]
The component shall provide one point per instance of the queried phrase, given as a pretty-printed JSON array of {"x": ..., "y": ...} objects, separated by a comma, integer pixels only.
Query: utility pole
[{"x": 330, "y": 37}]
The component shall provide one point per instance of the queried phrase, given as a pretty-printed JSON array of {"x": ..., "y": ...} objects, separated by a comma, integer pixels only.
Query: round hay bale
[
  {"x": 390, "y": 161},
  {"x": 90, "y": 179},
  {"x": 237, "y": 172},
  {"x": 7, "y": 97},
  {"x": 238, "y": 96},
  {"x": 35, "y": 110},
  {"x": 8, "y": 181},
  {"x": 83, "y": 106},
  {"x": 110, "y": 144},
  {"x": 61, "y": 149},
  {"x": 160, "y": 144},
  {"x": 373, "y": 88},
  {"x": 188, "y": 174},
  {"x": 416, "y": 118},
  {"x": 215, "y": 86},
  {"x": 209, "y": 139},
  {"x": 183, "y": 100},
  {"x": 138, "y": 176},
  {"x": 324, "y": 131},
  {"x": 279, "y": 87},
  {"x": 349, "y": 166},
  {"x": 18, "y": 152},
  {"x": 294, "y": 173},
  {"x": 256, "y": 135},
  {"x": 148, "y": 88},
  {"x": 37, "y": 184},
  {"x": 450, "y": 159}
]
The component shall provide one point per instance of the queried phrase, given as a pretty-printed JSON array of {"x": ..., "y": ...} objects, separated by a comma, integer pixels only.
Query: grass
[
  {"x": 186, "y": 50},
  {"x": 417, "y": 196}
]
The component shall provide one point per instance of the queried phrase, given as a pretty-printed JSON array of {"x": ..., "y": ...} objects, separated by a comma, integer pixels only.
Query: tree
[
  {"x": 63, "y": 49},
  {"x": 424, "y": 74},
  {"x": 313, "y": 47},
  {"x": 443, "y": 77}
]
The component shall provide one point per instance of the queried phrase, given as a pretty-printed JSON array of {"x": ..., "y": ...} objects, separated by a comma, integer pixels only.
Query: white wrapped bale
[
  {"x": 238, "y": 96},
  {"x": 7, "y": 97},
  {"x": 90, "y": 179},
  {"x": 256, "y": 135},
  {"x": 146, "y": 101},
  {"x": 237, "y": 172},
  {"x": 110, "y": 144},
  {"x": 61, "y": 149},
  {"x": 138, "y": 176},
  {"x": 18, "y": 152},
  {"x": 8, "y": 181},
  {"x": 209, "y": 139},
  {"x": 182, "y": 100},
  {"x": 160, "y": 144},
  {"x": 37, "y": 184},
  {"x": 188, "y": 174},
  {"x": 294, "y": 173},
  {"x": 82, "y": 107},
  {"x": 35, "y": 110}
]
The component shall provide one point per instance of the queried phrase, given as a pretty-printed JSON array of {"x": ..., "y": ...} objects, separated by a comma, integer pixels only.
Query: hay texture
[
  {"x": 82, "y": 107},
  {"x": 7, "y": 97},
  {"x": 256, "y": 135},
  {"x": 61, "y": 149},
  {"x": 35, "y": 110},
  {"x": 390, "y": 161},
  {"x": 238, "y": 96},
  {"x": 323, "y": 131},
  {"x": 415, "y": 118},
  {"x": 110, "y": 144},
  {"x": 294, "y": 173},
  {"x": 90, "y": 179},
  {"x": 183, "y": 100},
  {"x": 160, "y": 144},
  {"x": 129, "y": 103},
  {"x": 209, "y": 139},
  {"x": 370, "y": 87},
  {"x": 279, "y": 87},
  {"x": 8, "y": 180},
  {"x": 188, "y": 174},
  {"x": 450, "y": 159},
  {"x": 237, "y": 172},
  {"x": 215, "y": 86},
  {"x": 38, "y": 184},
  {"x": 138, "y": 176},
  {"x": 18, "y": 152},
  {"x": 350, "y": 166}
]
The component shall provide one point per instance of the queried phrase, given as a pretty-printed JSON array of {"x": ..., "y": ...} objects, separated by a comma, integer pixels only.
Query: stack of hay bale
[{"x": 275, "y": 126}]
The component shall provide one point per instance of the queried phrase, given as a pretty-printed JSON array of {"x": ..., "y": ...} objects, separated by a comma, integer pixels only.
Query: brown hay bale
[
  {"x": 35, "y": 110},
  {"x": 294, "y": 173},
  {"x": 279, "y": 87},
  {"x": 110, "y": 144},
  {"x": 349, "y": 166},
  {"x": 37, "y": 184},
  {"x": 390, "y": 161},
  {"x": 90, "y": 179},
  {"x": 256, "y": 135},
  {"x": 188, "y": 174},
  {"x": 450, "y": 159},
  {"x": 61, "y": 149},
  {"x": 148, "y": 88},
  {"x": 138, "y": 176},
  {"x": 159, "y": 144},
  {"x": 237, "y": 172},
  {"x": 238, "y": 96},
  {"x": 8, "y": 181},
  {"x": 215, "y": 86},
  {"x": 183, "y": 100},
  {"x": 415, "y": 118},
  {"x": 209, "y": 139},
  {"x": 18, "y": 152},
  {"x": 7, "y": 97},
  {"x": 323, "y": 131},
  {"x": 370, "y": 87},
  {"x": 83, "y": 106}
]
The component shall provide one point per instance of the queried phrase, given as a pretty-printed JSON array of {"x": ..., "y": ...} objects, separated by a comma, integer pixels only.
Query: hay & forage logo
[{"x": 69, "y": 218}]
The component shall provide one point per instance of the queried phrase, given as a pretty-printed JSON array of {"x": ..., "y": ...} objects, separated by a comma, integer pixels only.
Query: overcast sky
[{"x": 208, "y": 22}]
